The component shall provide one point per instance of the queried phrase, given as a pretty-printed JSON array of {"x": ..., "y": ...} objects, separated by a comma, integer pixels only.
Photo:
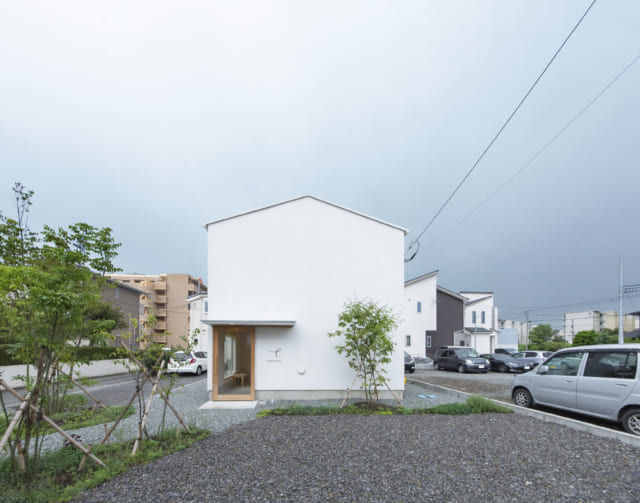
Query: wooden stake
[
  {"x": 146, "y": 410},
  {"x": 346, "y": 398},
  {"x": 14, "y": 420},
  {"x": 53, "y": 425},
  {"x": 98, "y": 402}
]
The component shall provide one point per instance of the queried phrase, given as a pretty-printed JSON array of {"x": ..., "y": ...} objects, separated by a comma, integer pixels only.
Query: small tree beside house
[{"x": 366, "y": 329}]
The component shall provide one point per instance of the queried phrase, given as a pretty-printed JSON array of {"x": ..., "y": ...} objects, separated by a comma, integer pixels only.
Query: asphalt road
[
  {"x": 493, "y": 385},
  {"x": 115, "y": 389}
]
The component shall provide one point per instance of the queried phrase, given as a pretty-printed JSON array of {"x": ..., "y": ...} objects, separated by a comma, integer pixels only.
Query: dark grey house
[{"x": 450, "y": 319}]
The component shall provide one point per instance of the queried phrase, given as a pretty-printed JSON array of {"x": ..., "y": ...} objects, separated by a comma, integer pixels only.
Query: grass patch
[
  {"x": 59, "y": 480},
  {"x": 475, "y": 404},
  {"x": 72, "y": 420}
]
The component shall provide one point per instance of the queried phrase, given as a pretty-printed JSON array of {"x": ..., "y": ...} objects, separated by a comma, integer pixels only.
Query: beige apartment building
[{"x": 164, "y": 298}]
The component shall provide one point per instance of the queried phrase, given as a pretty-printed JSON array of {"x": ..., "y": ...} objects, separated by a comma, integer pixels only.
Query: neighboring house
[
  {"x": 198, "y": 305},
  {"x": 282, "y": 275},
  {"x": 420, "y": 313},
  {"x": 450, "y": 319},
  {"x": 480, "y": 322},
  {"x": 126, "y": 299},
  {"x": 164, "y": 299}
]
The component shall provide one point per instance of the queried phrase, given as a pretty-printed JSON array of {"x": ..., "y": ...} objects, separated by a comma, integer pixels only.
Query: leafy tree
[
  {"x": 586, "y": 338},
  {"x": 366, "y": 329},
  {"x": 540, "y": 335},
  {"x": 49, "y": 286}
]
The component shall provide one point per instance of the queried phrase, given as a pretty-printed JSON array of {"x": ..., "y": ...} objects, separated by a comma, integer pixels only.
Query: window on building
[
  {"x": 206, "y": 306},
  {"x": 419, "y": 306},
  {"x": 408, "y": 340},
  {"x": 482, "y": 317},
  {"x": 428, "y": 341},
  {"x": 473, "y": 316}
]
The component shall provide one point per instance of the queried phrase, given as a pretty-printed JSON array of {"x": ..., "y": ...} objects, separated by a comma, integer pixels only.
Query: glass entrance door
[{"x": 233, "y": 358}]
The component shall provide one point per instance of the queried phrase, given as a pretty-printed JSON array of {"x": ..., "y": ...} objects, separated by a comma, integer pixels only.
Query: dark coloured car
[
  {"x": 506, "y": 351},
  {"x": 462, "y": 359},
  {"x": 409, "y": 363},
  {"x": 504, "y": 363}
]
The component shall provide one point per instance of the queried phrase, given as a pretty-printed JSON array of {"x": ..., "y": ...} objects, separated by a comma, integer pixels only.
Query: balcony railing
[
  {"x": 160, "y": 285},
  {"x": 161, "y": 313},
  {"x": 161, "y": 299},
  {"x": 160, "y": 325}
]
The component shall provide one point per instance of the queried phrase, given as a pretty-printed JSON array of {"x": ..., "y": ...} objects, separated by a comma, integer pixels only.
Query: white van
[{"x": 600, "y": 381}]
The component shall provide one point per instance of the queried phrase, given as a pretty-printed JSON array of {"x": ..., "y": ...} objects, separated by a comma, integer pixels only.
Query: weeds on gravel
[
  {"x": 475, "y": 404},
  {"x": 59, "y": 479}
]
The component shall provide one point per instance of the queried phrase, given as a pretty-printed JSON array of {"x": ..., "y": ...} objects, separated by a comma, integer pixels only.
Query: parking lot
[{"x": 492, "y": 384}]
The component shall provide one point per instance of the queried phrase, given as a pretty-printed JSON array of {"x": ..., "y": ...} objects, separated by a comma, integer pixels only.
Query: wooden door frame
[{"x": 214, "y": 389}]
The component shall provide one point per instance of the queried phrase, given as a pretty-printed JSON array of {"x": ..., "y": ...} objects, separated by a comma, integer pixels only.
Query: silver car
[{"x": 600, "y": 381}]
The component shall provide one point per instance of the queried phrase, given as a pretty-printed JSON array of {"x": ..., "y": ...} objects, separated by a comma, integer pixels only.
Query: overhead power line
[
  {"x": 542, "y": 149},
  {"x": 416, "y": 242}
]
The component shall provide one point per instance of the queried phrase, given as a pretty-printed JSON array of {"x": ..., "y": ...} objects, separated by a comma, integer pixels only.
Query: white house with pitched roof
[
  {"x": 480, "y": 322},
  {"x": 280, "y": 276},
  {"x": 420, "y": 312}
]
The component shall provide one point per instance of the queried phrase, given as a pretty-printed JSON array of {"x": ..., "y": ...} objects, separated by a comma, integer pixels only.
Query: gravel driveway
[{"x": 489, "y": 457}]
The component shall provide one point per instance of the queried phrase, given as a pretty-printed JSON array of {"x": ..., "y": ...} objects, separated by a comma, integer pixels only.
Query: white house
[
  {"x": 420, "y": 313},
  {"x": 280, "y": 276},
  {"x": 480, "y": 322},
  {"x": 198, "y": 330}
]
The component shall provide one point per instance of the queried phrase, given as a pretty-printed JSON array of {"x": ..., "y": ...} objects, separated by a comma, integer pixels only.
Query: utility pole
[
  {"x": 620, "y": 297},
  {"x": 526, "y": 331}
]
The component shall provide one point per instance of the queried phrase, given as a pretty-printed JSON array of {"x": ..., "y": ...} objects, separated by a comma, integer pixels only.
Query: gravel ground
[
  {"x": 489, "y": 457},
  {"x": 492, "y": 457}
]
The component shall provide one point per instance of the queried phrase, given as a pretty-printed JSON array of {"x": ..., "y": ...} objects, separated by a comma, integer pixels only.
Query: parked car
[
  {"x": 409, "y": 363},
  {"x": 188, "y": 363},
  {"x": 600, "y": 381},
  {"x": 504, "y": 363},
  {"x": 535, "y": 358},
  {"x": 506, "y": 351},
  {"x": 461, "y": 358}
]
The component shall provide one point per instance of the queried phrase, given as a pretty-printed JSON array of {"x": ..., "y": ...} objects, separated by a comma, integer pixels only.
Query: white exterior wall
[
  {"x": 301, "y": 261},
  {"x": 416, "y": 323},
  {"x": 485, "y": 305},
  {"x": 578, "y": 321},
  {"x": 197, "y": 313}
]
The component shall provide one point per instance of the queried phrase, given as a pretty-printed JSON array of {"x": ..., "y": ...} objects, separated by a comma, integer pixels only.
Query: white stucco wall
[
  {"x": 197, "y": 313},
  {"x": 301, "y": 261},
  {"x": 485, "y": 305},
  {"x": 416, "y": 323}
]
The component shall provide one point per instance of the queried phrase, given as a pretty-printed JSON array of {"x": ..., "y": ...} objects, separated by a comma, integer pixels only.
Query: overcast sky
[{"x": 155, "y": 117}]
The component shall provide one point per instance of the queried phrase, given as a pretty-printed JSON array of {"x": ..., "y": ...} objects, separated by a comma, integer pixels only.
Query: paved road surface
[{"x": 115, "y": 389}]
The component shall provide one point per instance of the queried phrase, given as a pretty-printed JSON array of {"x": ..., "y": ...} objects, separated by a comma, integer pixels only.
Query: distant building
[
  {"x": 520, "y": 326},
  {"x": 198, "y": 306},
  {"x": 165, "y": 299},
  {"x": 420, "y": 313},
  {"x": 595, "y": 320},
  {"x": 127, "y": 300},
  {"x": 450, "y": 319},
  {"x": 480, "y": 322}
]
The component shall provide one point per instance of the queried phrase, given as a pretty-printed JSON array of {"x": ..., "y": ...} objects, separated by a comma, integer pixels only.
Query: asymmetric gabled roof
[
  {"x": 405, "y": 231},
  {"x": 478, "y": 300},
  {"x": 420, "y": 278},
  {"x": 451, "y": 293}
]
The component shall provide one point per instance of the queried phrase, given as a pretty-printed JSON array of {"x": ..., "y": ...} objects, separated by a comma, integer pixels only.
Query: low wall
[{"x": 93, "y": 369}]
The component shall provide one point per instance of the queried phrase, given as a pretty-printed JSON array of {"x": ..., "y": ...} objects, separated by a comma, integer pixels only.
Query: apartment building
[{"x": 165, "y": 311}]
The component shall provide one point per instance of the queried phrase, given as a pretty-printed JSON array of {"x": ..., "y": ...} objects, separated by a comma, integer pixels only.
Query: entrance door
[{"x": 233, "y": 357}]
